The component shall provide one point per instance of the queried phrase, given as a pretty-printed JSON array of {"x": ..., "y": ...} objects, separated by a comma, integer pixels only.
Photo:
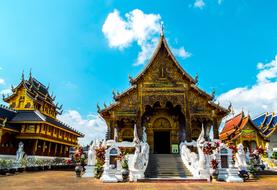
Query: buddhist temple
[
  {"x": 267, "y": 124},
  {"x": 242, "y": 129},
  {"x": 166, "y": 101},
  {"x": 31, "y": 118}
]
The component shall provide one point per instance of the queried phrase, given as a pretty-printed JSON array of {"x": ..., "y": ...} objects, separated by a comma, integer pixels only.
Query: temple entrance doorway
[{"x": 162, "y": 142}]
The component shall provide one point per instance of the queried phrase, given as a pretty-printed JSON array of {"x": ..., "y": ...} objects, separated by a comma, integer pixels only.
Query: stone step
[{"x": 166, "y": 166}]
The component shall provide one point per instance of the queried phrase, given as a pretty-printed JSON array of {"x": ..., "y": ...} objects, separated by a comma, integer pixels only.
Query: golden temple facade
[
  {"x": 165, "y": 100},
  {"x": 31, "y": 117}
]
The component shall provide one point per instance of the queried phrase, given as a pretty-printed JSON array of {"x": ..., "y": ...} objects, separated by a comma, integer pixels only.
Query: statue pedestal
[
  {"x": 109, "y": 176},
  {"x": 135, "y": 175},
  {"x": 89, "y": 171},
  {"x": 204, "y": 174},
  {"x": 233, "y": 175}
]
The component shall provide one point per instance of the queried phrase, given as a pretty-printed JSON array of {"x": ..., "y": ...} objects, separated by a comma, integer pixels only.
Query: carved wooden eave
[
  {"x": 15, "y": 89},
  {"x": 201, "y": 92},
  {"x": 104, "y": 111},
  {"x": 158, "y": 48},
  {"x": 221, "y": 109},
  {"x": 125, "y": 93}
]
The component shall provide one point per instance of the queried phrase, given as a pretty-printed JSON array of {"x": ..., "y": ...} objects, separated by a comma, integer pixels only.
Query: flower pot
[
  {"x": 252, "y": 176},
  {"x": 3, "y": 171},
  {"x": 98, "y": 172},
  {"x": 20, "y": 169},
  {"x": 125, "y": 174},
  {"x": 78, "y": 170},
  {"x": 12, "y": 171}
]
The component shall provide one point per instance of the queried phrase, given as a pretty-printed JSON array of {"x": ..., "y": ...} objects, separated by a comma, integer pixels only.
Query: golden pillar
[
  {"x": 49, "y": 148},
  {"x": 61, "y": 150},
  {"x": 56, "y": 146},
  {"x": 36, "y": 145}
]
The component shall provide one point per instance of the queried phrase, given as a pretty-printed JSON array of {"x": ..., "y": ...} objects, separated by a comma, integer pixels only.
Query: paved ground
[{"x": 66, "y": 180}]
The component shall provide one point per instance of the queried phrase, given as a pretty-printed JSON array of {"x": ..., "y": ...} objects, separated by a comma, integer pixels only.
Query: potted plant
[
  {"x": 22, "y": 164},
  {"x": 10, "y": 167},
  {"x": 78, "y": 160},
  {"x": 3, "y": 167},
  {"x": 214, "y": 164},
  {"x": 100, "y": 160},
  {"x": 31, "y": 166},
  {"x": 123, "y": 158}
]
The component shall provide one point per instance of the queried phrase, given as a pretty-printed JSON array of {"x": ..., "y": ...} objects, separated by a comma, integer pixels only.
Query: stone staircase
[{"x": 166, "y": 166}]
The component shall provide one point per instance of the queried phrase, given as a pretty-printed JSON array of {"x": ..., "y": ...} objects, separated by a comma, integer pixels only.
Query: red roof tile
[{"x": 232, "y": 123}]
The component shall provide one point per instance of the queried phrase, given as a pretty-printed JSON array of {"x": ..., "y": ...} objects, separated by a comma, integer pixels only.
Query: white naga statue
[
  {"x": 141, "y": 156},
  {"x": 92, "y": 154},
  {"x": 241, "y": 158},
  {"x": 20, "y": 152},
  {"x": 144, "y": 135},
  {"x": 200, "y": 145},
  {"x": 136, "y": 138},
  {"x": 115, "y": 138}
]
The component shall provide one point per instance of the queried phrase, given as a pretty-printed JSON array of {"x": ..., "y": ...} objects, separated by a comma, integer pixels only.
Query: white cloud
[
  {"x": 2, "y": 81},
  {"x": 199, "y": 4},
  {"x": 181, "y": 52},
  {"x": 137, "y": 27},
  {"x": 93, "y": 126},
  {"x": 258, "y": 98}
]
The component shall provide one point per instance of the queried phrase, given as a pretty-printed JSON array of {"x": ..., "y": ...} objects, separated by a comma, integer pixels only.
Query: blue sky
[{"x": 64, "y": 44}]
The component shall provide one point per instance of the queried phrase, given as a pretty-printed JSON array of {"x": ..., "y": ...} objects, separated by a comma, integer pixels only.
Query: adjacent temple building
[
  {"x": 261, "y": 131},
  {"x": 32, "y": 118},
  {"x": 165, "y": 100}
]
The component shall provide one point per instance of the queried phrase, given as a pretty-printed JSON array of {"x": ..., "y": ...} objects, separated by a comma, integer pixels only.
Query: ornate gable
[{"x": 163, "y": 67}]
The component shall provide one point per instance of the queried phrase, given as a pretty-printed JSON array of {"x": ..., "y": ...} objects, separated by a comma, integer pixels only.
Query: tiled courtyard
[{"x": 66, "y": 180}]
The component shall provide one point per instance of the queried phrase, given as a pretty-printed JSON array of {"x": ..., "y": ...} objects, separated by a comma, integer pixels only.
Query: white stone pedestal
[
  {"x": 222, "y": 174},
  {"x": 108, "y": 176},
  {"x": 89, "y": 171},
  {"x": 204, "y": 174},
  {"x": 135, "y": 175},
  {"x": 233, "y": 175}
]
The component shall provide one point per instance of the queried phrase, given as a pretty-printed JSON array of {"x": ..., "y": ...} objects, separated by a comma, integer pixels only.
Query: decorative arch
[
  {"x": 161, "y": 123},
  {"x": 195, "y": 134},
  {"x": 128, "y": 134}
]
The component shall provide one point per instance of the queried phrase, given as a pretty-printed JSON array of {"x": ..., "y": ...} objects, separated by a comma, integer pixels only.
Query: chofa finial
[
  {"x": 196, "y": 78},
  {"x": 22, "y": 76},
  {"x": 162, "y": 28},
  {"x": 30, "y": 74}
]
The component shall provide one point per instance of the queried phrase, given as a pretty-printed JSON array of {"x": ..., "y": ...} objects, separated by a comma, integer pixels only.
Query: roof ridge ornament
[
  {"x": 22, "y": 75},
  {"x": 130, "y": 78},
  {"x": 213, "y": 94},
  {"x": 98, "y": 108},
  {"x": 30, "y": 74},
  {"x": 114, "y": 94},
  {"x": 162, "y": 28},
  {"x": 196, "y": 78}
]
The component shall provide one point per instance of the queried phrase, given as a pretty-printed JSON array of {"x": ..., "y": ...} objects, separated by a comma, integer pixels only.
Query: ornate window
[
  {"x": 128, "y": 135},
  {"x": 162, "y": 123}
]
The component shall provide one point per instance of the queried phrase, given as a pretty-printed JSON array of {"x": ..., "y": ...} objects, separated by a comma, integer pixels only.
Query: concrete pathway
[{"x": 59, "y": 180}]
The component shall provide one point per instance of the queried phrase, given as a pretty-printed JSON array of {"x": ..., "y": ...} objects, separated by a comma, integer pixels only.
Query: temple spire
[
  {"x": 30, "y": 74},
  {"x": 22, "y": 76},
  {"x": 162, "y": 28}
]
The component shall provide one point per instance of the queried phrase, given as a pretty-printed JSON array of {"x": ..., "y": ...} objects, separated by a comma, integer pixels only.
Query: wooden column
[
  {"x": 61, "y": 149},
  {"x": 187, "y": 118},
  {"x": 49, "y": 148},
  {"x": 36, "y": 146},
  {"x": 56, "y": 146},
  {"x": 215, "y": 128}
]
